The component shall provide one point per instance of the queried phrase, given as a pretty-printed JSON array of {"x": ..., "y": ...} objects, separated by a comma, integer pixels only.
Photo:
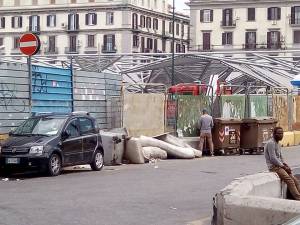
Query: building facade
[
  {"x": 219, "y": 25},
  {"x": 92, "y": 26}
]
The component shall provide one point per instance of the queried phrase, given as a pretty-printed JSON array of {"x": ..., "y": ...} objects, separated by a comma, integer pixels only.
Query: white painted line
[{"x": 28, "y": 44}]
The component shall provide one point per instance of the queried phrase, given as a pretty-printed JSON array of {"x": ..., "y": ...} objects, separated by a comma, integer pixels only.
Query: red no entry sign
[{"x": 29, "y": 44}]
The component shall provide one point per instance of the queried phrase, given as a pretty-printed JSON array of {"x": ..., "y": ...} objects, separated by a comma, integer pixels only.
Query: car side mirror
[{"x": 65, "y": 135}]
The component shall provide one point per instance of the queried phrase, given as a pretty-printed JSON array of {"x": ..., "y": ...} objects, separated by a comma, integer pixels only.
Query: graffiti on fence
[
  {"x": 8, "y": 98},
  {"x": 40, "y": 82}
]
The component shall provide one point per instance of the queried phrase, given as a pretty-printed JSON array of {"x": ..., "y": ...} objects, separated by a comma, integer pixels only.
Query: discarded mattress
[
  {"x": 172, "y": 150},
  {"x": 134, "y": 151},
  {"x": 154, "y": 153},
  {"x": 179, "y": 142}
]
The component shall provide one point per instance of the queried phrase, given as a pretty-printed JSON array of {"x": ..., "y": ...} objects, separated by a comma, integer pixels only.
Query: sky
[{"x": 180, "y": 6}]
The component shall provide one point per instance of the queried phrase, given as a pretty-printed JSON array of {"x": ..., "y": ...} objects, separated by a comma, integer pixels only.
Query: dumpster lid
[
  {"x": 227, "y": 120},
  {"x": 260, "y": 120}
]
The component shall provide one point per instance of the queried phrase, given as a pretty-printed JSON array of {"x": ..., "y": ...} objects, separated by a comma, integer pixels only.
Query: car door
[
  {"x": 89, "y": 137},
  {"x": 72, "y": 145}
]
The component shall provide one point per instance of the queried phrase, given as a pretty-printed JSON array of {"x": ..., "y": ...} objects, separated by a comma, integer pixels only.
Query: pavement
[{"x": 170, "y": 192}]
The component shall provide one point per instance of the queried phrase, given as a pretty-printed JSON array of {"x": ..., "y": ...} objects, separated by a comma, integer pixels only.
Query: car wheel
[
  {"x": 98, "y": 161},
  {"x": 54, "y": 165}
]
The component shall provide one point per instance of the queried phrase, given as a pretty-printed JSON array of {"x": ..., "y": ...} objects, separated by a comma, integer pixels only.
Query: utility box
[
  {"x": 255, "y": 132},
  {"x": 226, "y": 135},
  {"x": 113, "y": 146}
]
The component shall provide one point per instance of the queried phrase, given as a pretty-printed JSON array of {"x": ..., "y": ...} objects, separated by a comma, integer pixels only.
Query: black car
[{"x": 52, "y": 141}]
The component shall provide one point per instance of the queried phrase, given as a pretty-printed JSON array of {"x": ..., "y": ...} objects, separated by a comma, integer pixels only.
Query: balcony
[
  {"x": 108, "y": 49},
  {"x": 262, "y": 46},
  {"x": 50, "y": 51},
  {"x": 71, "y": 50},
  {"x": 166, "y": 35},
  {"x": 91, "y": 50},
  {"x": 228, "y": 23},
  {"x": 295, "y": 22},
  {"x": 34, "y": 29},
  {"x": 72, "y": 28},
  {"x": 136, "y": 29},
  {"x": 250, "y": 46}
]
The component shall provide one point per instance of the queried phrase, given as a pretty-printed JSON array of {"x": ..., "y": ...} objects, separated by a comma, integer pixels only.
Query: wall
[
  {"x": 233, "y": 106},
  {"x": 144, "y": 114},
  {"x": 281, "y": 111}
]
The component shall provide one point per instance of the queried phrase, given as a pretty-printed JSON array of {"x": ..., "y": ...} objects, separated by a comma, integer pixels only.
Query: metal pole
[
  {"x": 173, "y": 46},
  {"x": 30, "y": 83}
]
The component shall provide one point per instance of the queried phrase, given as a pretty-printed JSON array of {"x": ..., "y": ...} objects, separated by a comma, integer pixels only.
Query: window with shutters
[
  {"x": 295, "y": 15},
  {"x": 171, "y": 27},
  {"x": 163, "y": 45},
  {"x": 149, "y": 43},
  {"x": 274, "y": 13},
  {"x": 91, "y": 41},
  {"x": 52, "y": 2},
  {"x": 227, "y": 17},
  {"x": 135, "y": 41},
  {"x": 51, "y": 21},
  {"x": 182, "y": 30},
  {"x": 296, "y": 36},
  {"x": 73, "y": 43},
  {"x": 206, "y": 15},
  {"x": 251, "y": 14},
  {"x": 273, "y": 40},
  {"x": 178, "y": 48},
  {"x": 142, "y": 21},
  {"x": 2, "y": 22},
  {"x": 16, "y": 43},
  {"x": 183, "y": 49},
  {"x": 109, "y": 18},
  {"x": 250, "y": 40},
  {"x": 134, "y": 21},
  {"x": 227, "y": 38},
  {"x": 16, "y": 22},
  {"x": 155, "y": 24},
  {"x": 34, "y": 23},
  {"x": 34, "y": 2},
  {"x": 142, "y": 44},
  {"x": 52, "y": 44},
  {"x": 109, "y": 43},
  {"x": 177, "y": 29},
  {"x": 148, "y": 22},
  {"x": 91, "y": 19},
  {"x": 73, "y": 22},
  {"x": 155, "y": 46}
]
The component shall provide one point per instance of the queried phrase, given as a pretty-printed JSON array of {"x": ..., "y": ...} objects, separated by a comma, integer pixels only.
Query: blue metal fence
[{"x": 51, "y": 90}]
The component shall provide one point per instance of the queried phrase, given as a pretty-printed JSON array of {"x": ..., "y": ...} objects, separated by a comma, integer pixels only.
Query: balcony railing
[
  {"x": 166, "y": 35},
  {"x": 108, "y": 49},
  {"x": 294, "y": 22},
  {"x": 90, "y": 50},
  {"x": 72, "y": 28},
  {"x": 34, "y": 28},
  {"x": 228, "y": 23},
  {"x": 71, "y": 50},
  {"x": 277, "y": 45}
]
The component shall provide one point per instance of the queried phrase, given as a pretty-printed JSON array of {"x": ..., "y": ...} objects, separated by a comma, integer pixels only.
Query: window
[
  {"x": 273, "y": 40},
  {"x": 171, "y": 27},
  {"x": 16, "y": 22},
  {"x": 178, "y": 48},
  {"x": 148, "y": 22},
  {"x": 52, "y": 2},
  {"x": 250, "y": 40},
  {"x": 1, "y": 2},
  {"x": 206, "y": 15},
  {"x": 251, "y": 14},
  {"x": 1, "y": 41},
  {"x": 73, "y": 43},
  {"x": 34, "y": 23},
  {"x": 163, "y": 45},
  {"x": 52, "y": 44},
  {"x": 155, "y": 24},
  {"x": 297, "y": 37},
  {"x": 206, "y": 41},
  {"x": 274, "y": 13},
  {"x": 16, "y": 43},
  {"x": 182, "y": 30},
  {"x": 155, "y": 46},
  {"x": 227, "y": 38},
  {"x": 295, "y": 15},
  {"x": 51, "y": 21},
  {"x": 86, "y": 126},
  {"x": 34, "y": 2},
  {"x": 73, "y": 1},
  {"x": 91, "y": 0},
  {"x": 149, "y": 43},
  {"x": 2, "y": 22},
  {"x": 109, "y": 18},
  {"x": 109, "y": 42},
  {"x": 142, "y": 21},
  {"x": 72, "y": 129},
  {"x": 134, "y": 21},
  {"x": 183, "y": 49},
  {"x": 73, "y": 21},
  {"x": 91, "y": 40},
  {"x": 135, "y": 41},
  {"x": 91, "y": 19},
  {"x": 177, "y": 29},
  {"x": 17, "y": 2},
  {"x": 227, "y": 17}
]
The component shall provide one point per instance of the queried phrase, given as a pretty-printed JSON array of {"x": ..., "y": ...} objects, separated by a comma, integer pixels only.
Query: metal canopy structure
[{"x": 269, "y": 68}]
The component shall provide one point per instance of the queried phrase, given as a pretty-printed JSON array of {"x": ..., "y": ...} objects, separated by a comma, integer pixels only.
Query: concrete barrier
[
  {"x": 297, "y": 137},
  {"x": 288, "y": 139},
  {"x": 254, "y": 200}
]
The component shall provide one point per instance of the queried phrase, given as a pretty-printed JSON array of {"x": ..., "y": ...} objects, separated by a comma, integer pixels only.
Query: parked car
[
  {"x": 294, "y": 221},
  {"x": 52, "y": 141}
]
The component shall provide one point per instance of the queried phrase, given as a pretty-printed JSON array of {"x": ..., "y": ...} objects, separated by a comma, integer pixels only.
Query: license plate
[{"x": 12, "y": 160}]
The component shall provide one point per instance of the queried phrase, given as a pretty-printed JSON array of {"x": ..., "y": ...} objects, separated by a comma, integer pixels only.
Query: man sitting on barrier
[{"x": 276, "y": 163}]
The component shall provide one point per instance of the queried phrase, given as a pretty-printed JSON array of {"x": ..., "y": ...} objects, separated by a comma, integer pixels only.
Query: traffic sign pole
[{"x": 30, "y": 83}]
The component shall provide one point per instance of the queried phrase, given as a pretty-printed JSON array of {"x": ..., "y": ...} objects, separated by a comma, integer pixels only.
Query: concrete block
[
  {"x": 288, "y": 139},
  {"x": 3, "y": 137},
  {"x": 297, "y": 137}
]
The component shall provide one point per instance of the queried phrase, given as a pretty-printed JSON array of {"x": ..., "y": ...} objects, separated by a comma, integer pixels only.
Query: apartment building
[
  {"x": 93, "y": 26},
  {"x": 218, "y": 25}
]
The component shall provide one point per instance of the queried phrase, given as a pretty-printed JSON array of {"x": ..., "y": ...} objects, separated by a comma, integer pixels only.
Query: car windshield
[{"x": 40, "y": 126}]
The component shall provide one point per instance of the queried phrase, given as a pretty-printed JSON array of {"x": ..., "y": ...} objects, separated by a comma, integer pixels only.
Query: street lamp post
[{"x": 173, "y": 46}]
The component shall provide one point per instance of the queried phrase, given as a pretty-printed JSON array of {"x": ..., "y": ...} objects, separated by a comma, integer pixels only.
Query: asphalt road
[{"x": 172, "y": 192}]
